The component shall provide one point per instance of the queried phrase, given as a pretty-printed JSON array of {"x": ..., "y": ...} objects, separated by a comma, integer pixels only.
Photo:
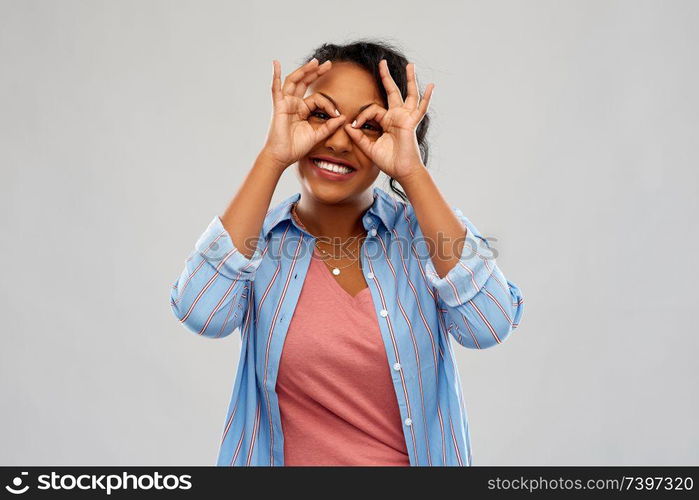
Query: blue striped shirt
[{"x": 419, "y": 313}]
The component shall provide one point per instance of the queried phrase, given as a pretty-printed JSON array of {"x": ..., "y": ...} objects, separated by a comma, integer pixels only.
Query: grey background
[{"x": 567, "y": 130}]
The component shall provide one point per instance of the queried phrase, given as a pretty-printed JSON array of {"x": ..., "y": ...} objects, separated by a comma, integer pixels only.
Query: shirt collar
[{"x": 385, "y": 208}]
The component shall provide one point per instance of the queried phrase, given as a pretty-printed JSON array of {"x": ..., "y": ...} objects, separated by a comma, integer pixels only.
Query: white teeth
[{"x": 333, "y": 167}]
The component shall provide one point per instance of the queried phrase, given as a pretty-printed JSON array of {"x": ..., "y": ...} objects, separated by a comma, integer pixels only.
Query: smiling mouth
[{"x": 334, "y": 168}]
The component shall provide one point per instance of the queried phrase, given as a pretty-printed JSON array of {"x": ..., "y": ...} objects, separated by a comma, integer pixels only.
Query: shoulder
[
  {"x": 401, "y": 216},
  {"x": 396, "y": 214},
  {"x": 278, "y": 212}
]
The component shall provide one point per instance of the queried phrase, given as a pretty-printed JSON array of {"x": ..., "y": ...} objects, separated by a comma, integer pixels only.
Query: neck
[{"x": 336, "y": 220}]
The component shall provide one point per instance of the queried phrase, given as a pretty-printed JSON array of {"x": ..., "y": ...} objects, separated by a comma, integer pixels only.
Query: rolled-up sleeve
[
  {"x": 482, "y": 306},
  {"x": 210, "y": 296}
]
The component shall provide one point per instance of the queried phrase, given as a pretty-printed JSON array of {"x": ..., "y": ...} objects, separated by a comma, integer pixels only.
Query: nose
[{"x": 339, "y": 141}]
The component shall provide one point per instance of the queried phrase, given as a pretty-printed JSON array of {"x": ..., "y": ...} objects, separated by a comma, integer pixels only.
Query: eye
[
  {"x": 317, "y": 113},
  {"x": 369, "y": 126},
  {"x": 372, "y": 127}
]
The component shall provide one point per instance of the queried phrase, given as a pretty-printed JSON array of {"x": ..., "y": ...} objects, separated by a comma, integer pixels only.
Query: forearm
[
  {"x": 245, "y": 214},
  {"x": 444, "y": 233}
]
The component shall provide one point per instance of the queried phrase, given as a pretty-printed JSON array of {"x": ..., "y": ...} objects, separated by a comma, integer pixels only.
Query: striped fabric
[{"x": 220, "y": 290}]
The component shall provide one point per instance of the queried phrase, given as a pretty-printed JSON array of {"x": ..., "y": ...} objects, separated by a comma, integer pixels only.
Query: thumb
[
  {"x": 361, "y": 140},
  {"x": 329, "y": 127}
]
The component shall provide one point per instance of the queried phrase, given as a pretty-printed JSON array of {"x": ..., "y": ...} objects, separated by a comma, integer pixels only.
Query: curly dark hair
[{"x": 367, "y": 53}]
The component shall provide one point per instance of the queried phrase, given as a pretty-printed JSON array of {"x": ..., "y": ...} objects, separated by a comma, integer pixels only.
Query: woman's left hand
[{"x": 396, "y": 151}]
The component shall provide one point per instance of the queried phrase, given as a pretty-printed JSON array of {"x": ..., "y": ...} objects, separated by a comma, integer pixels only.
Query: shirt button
[
  {"x": 370, "y": 275},
  {"x": 396, "y": 366},
  {"x": 372, "y": 231},
  {"x": 383, "y": 313},
  {"x": 408, "y": 422}
]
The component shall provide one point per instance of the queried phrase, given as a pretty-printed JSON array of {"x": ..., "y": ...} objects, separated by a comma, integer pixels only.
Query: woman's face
[{"x": 351, "y": 88}]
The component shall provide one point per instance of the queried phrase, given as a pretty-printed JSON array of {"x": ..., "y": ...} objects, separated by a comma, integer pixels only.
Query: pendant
[{"x": 336, "y": 271}]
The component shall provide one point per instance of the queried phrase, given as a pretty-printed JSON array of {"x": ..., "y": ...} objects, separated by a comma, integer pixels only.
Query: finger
[
  {"x": 294, "y": 78},
  {"x": 425, "y": 101},
  {"x": 300, "y": 89},
  {"x": 329, "y": 127},
  {"x": 318, "y": 101},
  {"x": 412, "y": 99},
  {"x": 276, "y": 81},
  {"x": 392, "y": 90},
  {"x": 373, "y": 112},
  {"x": 361, "y": 140}
]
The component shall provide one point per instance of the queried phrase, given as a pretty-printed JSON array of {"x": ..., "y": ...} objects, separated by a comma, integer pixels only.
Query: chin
[{"x": 329, "y": 194}]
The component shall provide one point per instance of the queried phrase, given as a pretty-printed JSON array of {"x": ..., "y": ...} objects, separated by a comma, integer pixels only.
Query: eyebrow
[{"x": 335, "y": 104}]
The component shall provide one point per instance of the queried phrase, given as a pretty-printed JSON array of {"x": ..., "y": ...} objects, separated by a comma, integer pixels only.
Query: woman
[{"x": 346, "y": 297}]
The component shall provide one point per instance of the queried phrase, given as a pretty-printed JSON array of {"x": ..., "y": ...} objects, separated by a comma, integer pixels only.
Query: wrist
[
  {"x": 415, "y": 176},
  {"x": 266, "y": 158}
]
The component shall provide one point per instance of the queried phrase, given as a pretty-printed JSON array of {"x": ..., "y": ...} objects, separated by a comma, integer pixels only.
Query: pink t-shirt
[{"x": 336, "y": 397}]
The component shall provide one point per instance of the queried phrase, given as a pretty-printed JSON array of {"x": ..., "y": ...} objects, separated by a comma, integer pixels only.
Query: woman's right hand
[{"x": 290, "y": 135}]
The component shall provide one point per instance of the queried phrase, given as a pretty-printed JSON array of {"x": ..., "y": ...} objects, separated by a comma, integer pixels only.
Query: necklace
[{"x": 335, "y": 269}]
